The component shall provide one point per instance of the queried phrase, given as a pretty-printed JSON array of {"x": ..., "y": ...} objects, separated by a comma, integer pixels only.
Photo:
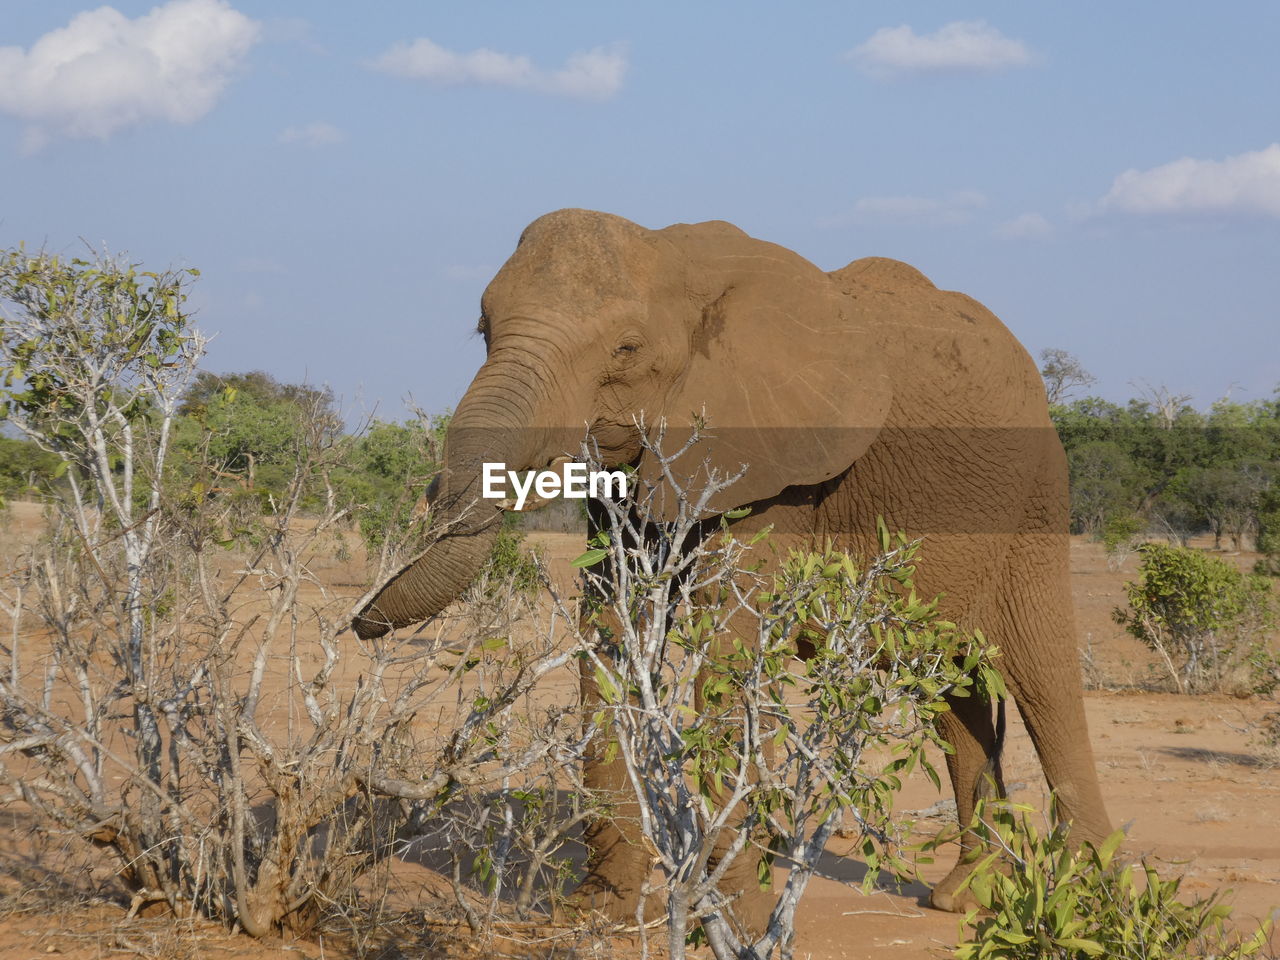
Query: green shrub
[
  {"x": 1206, "y": 619},
  {"x": 1045, "y": 898},
  {"x": 1120, "y": 537},
  {"x": 389, "y": 466},
  {"x": 511, "y": 560},
  {"x": 25, "y": 468}
]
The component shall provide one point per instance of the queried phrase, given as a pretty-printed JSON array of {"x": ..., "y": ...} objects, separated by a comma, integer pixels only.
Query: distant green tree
[
  {"x": 1225, "y": 497},
  {"x": 388, "y": 469},
  {"x": 1088, "y": 420},
  {"x": 1176, "y": 519},
  {"x": 25, "y": 468},
  {"x": 1161, "y": 441},
  {"x": 244, "y": 430},
  {"x": 1102, "y": 484},
  {"x": 1185, "y": 471},
  {"x": 1269, "y": 530},
  {"x": 209, "y": 388},
  {"x": 1242, "y": 431}
]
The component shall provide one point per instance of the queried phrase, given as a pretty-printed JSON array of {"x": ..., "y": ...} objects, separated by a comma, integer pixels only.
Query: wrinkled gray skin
[{"x": 854, "y": 394}]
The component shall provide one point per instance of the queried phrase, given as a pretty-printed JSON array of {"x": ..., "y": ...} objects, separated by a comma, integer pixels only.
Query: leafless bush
[
  {"x": 289, "y": 759},
  {"x": 1265, "y": 737},
  {"x": 179, "y": 689}
]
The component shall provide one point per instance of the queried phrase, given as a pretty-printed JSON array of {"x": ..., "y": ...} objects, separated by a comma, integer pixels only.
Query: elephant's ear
[{"x": 789, "y": 383}]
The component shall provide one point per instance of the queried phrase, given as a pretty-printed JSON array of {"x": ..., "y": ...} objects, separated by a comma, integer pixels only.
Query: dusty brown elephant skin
[{"x": 854, "y": 394}]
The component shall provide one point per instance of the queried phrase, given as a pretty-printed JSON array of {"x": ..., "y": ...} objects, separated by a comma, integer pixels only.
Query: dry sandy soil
[{"x": 1178, "y": 771}]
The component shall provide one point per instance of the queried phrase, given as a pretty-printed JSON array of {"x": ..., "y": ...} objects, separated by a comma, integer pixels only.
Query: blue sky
[{"x": 1105, "y": 177}]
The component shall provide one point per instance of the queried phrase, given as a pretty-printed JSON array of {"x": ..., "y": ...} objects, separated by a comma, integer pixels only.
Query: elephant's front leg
[{"x": 617, "y": 863}]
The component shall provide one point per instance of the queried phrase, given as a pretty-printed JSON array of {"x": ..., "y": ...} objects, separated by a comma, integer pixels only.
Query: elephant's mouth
[{"x": 616, "y": 442}]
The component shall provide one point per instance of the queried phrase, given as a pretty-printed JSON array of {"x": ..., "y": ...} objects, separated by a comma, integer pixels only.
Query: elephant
[{"x": 853, "y": 395}]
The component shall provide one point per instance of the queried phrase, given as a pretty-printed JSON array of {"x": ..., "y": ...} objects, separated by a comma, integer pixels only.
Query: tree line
[
  {"x": 239, "y": 435},
  {"x": 1157, "y": 465}
]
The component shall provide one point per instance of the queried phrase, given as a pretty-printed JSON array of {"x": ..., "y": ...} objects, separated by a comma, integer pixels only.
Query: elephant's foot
[
  {"x": 613, "y": 900},
  {"x": 615, "y": 903},
  {"x": 751, "y": 910},
  {"x": 947, "y": 895}
]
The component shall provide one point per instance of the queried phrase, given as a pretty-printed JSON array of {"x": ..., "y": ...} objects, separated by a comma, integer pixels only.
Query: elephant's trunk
[{"x": 480, "y": 432}]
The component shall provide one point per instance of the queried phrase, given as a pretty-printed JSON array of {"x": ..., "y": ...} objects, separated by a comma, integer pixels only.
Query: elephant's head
[{"x": 597, "y": 323}]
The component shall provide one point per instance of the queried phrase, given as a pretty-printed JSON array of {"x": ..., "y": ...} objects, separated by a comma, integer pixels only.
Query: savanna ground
[{"x": 1180, "y": 772}]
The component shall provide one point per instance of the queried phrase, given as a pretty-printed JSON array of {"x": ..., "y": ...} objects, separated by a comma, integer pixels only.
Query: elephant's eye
[{"x": 626, "y": 349}]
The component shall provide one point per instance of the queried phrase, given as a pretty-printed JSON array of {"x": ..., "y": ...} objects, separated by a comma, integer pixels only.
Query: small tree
[
  {"x": 1121, "y": 534},
  {"x": 1269, "y": 530},
  {"x": 95, "y": 358},
  {"x": 1102, "y": 484},
  {"x": 1203, "y": 617},
  {"x": 242, "y": 430},
  {"x": 1063, "y": 374},
  {"x": 737, "y": 754},
  {"x": 389, "y": 468}
]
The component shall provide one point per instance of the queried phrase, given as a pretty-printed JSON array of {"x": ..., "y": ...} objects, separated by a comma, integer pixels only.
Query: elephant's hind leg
[
  {"x": 1035, "y": 632},
  {"x": 1042, "y": 665},
  {"x": 975, "y": 772}
]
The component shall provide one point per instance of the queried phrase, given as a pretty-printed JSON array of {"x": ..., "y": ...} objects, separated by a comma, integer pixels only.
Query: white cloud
[
  {"x": 1027, "y": 225},
  {"x": 591, "y": 75},
  {"x": 1248, "y": 184},
  {"x": 926, "y": 211},
  {"x": 318, "y": 134},
  {"x": 103, "y": 72},
  {"x": 970, "y": 46}
]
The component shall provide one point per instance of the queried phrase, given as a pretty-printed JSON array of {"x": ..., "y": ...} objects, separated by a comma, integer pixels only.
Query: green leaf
[
  {"x": 590, "y": 558},
  {"x": 1090, "y": 947},
  {"x": 608, "y": 689},
  {"x": 1109, "y": 847},
  {"x": 882, "y": 533},
  {"x": 764, "y": 875}
]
